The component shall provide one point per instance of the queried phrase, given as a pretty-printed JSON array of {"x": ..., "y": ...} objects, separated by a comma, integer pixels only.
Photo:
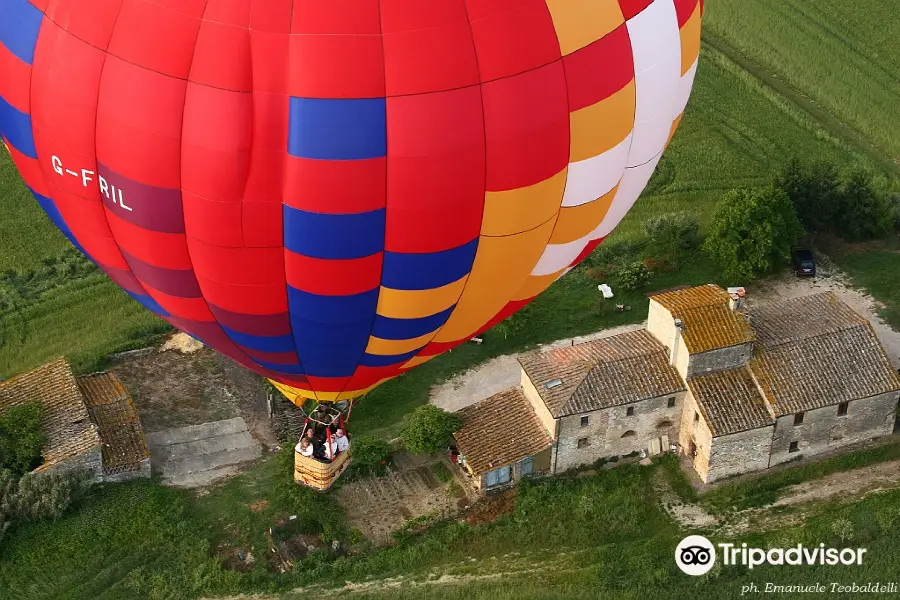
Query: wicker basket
[{"x": 316, "y": 474}]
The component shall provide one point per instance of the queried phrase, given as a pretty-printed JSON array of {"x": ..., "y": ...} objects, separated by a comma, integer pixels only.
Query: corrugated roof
[
  {"x": 500, "y": 431},
  {"x": 730, "y": 401},
  {"x": 114, "y": 412},
  {"x": 709, "y": 323},
  {"x": 612, "y": 371},
  {"x": 66, "y": 423},
  {"x": 816, "y": 351}
]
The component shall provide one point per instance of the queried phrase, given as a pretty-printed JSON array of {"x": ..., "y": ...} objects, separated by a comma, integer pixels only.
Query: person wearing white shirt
[
  {"x": 304, "y": 447},
  {"x": 340, "y": 440}
]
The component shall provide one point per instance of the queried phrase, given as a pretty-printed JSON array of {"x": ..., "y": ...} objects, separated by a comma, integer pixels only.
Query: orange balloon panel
[{"x": 332, "y": 193}]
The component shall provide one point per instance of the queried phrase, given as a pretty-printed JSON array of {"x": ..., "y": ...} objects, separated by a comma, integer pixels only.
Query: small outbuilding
[
  {"x": 91, "y": 423},
  {"x": 501, "y": 440}
]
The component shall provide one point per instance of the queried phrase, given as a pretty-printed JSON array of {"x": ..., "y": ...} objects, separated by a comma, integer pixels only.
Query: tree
[
  {"x": 427, "y": 429},
  {"x": 670, "y": 237},
  {"x": 814, "y": 190},
  {"x": 863, "y": 214},
  {"x": 21, "y": 438},
  {"x": 752, "y": 232}
]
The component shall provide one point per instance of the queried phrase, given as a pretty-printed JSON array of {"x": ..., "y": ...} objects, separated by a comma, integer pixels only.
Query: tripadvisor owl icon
[{"x": 695, "y": 555}]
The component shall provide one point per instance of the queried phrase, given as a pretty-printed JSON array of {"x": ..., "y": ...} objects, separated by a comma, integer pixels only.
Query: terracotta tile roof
[
  {"x": 608, "y": 372},
  {"x": 730, "y": 401},
  {"x": 500, "y": 431},
  {"x": 114, "y": 412},
  {"x": 66, "y": 423},
  {"x": 801, "y": 318},
  {"x": 708, "y": 321},
  {"x": 816, "y": 351}
]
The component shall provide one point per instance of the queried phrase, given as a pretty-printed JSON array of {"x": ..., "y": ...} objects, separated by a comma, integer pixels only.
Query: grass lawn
[
  {"x": 842, "y": 55},
  {"x": 569, "y": 537},
  {"x": 874, "y": 267}
]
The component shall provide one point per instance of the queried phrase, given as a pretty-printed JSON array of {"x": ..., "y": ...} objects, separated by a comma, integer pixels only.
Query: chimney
[{"x": 736, "y": 298}]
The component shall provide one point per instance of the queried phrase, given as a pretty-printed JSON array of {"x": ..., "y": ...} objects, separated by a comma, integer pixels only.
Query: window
[
  {"x": 798, "y": 419},
  {"x": 664, "y": 424},
  {"x": 842, "y": 409},
  {"x": 585, "y": 421},
  {"x": 630, "y": 411},
  {"x": 671, "y": 402},
  {"x": 696, "y": 417},
  {"x": 498, "y": 477},
  {"x": 628, "y": 434},
  {"x": 583, "y": 442},
  {"x": 794, "y": 447}
]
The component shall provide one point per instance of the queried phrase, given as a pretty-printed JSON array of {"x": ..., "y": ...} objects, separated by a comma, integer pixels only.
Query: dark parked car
[{"x": 804, "y": 263}]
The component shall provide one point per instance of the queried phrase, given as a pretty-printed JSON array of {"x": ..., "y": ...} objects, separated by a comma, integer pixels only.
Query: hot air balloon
[{"x": 331, "y": 193}]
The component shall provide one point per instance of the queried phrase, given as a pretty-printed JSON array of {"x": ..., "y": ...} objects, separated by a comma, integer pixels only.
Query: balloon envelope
[{"x": 332, "y": 193}]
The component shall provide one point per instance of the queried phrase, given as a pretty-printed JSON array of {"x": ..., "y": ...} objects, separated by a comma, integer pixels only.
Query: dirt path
[
  {"x": 855, "y": 484},
  {"x": 830, "y": 278},
  {"x": 500, "y": 373}
]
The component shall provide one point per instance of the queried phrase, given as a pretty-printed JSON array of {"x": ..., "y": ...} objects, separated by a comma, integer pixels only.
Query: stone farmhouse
[
  {"x": 90, "y": 422},
  {"x": 732, "y": 389}
]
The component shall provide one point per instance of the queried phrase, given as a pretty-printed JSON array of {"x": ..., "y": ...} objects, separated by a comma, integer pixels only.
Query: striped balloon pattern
[{"x": 332, "y": 193}]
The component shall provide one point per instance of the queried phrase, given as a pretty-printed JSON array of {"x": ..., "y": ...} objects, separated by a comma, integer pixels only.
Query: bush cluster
[
  {"x": 38, "y": 496},
  {"x": 21, "y": 438}
]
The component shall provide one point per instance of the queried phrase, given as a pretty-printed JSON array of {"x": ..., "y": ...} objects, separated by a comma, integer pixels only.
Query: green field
[{"x": 842, "y": 55}]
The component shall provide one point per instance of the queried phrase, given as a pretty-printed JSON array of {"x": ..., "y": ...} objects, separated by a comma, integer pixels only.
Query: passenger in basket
[
  {"x": 305, "y": 447},
  {"x": 341, "y": 441}
]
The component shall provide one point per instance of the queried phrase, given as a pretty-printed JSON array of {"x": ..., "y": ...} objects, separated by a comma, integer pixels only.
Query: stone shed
[
  {"x": 90, "y": 422},
  {"x": 502, "y": 440}
]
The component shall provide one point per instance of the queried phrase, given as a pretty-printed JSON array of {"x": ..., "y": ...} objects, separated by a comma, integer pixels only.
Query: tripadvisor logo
[{"x": 696, "y": 555}]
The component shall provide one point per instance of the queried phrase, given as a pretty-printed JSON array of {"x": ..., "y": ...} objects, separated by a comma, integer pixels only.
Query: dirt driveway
[{"x": 173, "y": 389}]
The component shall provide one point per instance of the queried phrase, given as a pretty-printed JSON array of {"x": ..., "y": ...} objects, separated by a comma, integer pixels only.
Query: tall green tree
[
  {"x": 864, "y": 213},
  {"x": 427, "y": 429},
  {"x": 814, "y": 189},
  {"x": 753, "y": 231}
]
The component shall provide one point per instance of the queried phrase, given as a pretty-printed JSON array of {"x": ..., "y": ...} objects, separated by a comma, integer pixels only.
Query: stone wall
[
  {"x": 719, "y": 359},
  {"x": 695, "y": 429},
  {"x": 605, "y": 428},
  {"x": 822, "y": 429},
  {"x": 738, "y": 453},
  {"x": 540, "y": 409},
  {"x": 90, "y": 461},
  {"x": 142, "y": 471},
  {"x": 661, "y": 325}
]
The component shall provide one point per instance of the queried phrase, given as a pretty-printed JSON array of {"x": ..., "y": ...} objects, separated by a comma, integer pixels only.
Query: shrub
[
  {"x": 38, "y": 496},
  {"x": 370, "y": 454},
  {"x": 427, "y": 429},
  {"x": 633, "y": 276},
  {"x": 43, "y": 496},
  {"x": 672, "y": 236},
  {"x": 753, "y": 231},
  {"x": 21, "y": 438}
]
